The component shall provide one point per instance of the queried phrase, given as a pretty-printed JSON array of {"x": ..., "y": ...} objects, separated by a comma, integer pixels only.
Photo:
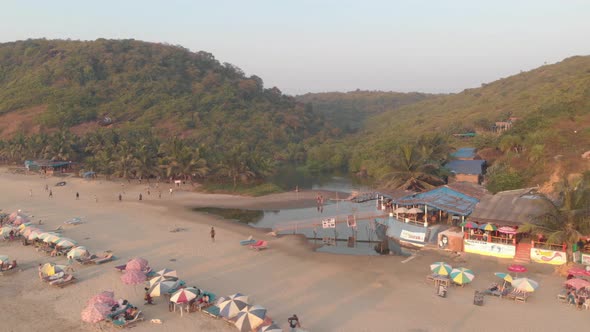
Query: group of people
[
  {"x": 122, "y": 310},
  {"x": 8, "y": 266}
]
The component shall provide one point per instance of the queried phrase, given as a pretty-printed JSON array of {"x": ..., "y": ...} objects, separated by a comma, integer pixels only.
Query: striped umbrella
[
  {"x": 34, "y": 235},
  {"x": 525, "y": 284},
  {"x": 488, "y": 227},
  {"x": 469, "y": 224},
  {"x": 182, "y": 296},
  {"x": 232, "y": 305},
  {"x": 250, "y": 318},
  {"x": 5, "y": 231},
  {"x": 168, "y": 274},
  {"x": 441, "y": 268},
  {"x": 163, "y": 287},
  {"x": 193, "y": 290},
  {"x": 29, "y": 230},
  {"x": 271, "y": 328},
  {"x": 462, "y": 276},
  {"x": 77, "y": 252},
  {"x": 578, "y": 283},
  {"x": 505, "y": 276}
]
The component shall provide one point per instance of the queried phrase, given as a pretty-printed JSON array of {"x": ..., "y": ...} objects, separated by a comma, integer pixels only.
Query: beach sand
[{"x": 328, "y": 292}]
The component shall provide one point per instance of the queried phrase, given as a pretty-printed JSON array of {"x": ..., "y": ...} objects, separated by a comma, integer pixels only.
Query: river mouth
[{"x": 240, "y": 215}]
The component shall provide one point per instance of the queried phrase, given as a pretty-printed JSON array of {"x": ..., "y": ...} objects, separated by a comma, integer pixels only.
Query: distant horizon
[{"x": 332, "y": 46}]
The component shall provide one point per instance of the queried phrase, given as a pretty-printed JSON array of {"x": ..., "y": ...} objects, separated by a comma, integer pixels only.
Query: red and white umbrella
[
  {"x": 182, "y": 296},
  {"x": 133, "y": 277}
]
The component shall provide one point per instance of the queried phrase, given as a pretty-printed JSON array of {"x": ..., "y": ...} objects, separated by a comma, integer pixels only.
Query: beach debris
[
  {"x": 73, "y": 221},
  {"x": 156, "y": 321}
]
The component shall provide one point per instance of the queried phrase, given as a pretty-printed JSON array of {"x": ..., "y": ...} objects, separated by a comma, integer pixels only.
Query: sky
[{"x": 437, "y": 46}]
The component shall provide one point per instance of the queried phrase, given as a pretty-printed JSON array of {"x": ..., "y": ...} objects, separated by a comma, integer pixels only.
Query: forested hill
[
  {"x": 147, "y": 90},
  {"x": 549, "y": 106},
  {"x": 348, "y": 110}
]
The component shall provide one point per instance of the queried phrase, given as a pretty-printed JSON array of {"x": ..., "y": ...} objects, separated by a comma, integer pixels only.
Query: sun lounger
[
  {"x": 212, "y": 311},
  {"x": 127, "y": 323},
  {"x": 66, "y": 280},
  {"x": 259, "y": 245},
  {"x": 100, "y": 260},
  {"x": 248, "y": 241},
  {"x": 521, "y": 296}
]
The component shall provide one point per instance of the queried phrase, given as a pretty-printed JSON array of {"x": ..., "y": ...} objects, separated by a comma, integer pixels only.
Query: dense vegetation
[
  {"x": 172, "y": 109},
  {"x": 347, "y": 111},
  {"x": 552, "y": 104}
]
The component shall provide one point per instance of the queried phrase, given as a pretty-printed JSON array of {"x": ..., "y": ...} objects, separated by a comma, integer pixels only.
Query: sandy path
[{"x": 328, "y": 292}]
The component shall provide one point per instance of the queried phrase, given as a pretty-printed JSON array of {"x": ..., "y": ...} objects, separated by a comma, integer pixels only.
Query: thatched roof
[{"x": 513, "y": 207}]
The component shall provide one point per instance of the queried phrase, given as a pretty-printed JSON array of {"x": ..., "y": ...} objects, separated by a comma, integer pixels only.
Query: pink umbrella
[
  {"x": 507, "y": 230},
  {"x": 13, "y": 216},
  {"x": 106, "y": 297},
  {"x": 517, "y": 268},
  {"x": 577, "y": 283},
  {"x": 133, "y": 277},
  {"x": 94, "y": 313},
  {"x": 136, "y": 264},
  {"x": 576, "y": 271}
]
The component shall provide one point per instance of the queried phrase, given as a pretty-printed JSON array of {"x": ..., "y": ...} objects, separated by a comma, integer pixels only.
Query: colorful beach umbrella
[
  {"x": 5, "y": 231},
  {"x": 232, "y": 305},
  {"x": 578, "y": 283},
  {"x": 27, "y": 231},
  {"x": 193, "y": 290},
  {"x": 505, "y": 276},
  {"x": 469, "y": 224},
  {"x": 78, "y": 252},
  {"x": 441, "y": 268},
  {"x": 517, "y": 268},
  {"x": 21, "y": 227},
  {"x": 133, "y": 277},
  {"x": 488, "y": 227},
  {"x": 250, "y": 318},
  {"x": 182, "y": 296},
  {"x": 163, "y": 287},
  {"x": 415, "y": 210},
  {"x": 525, "y": 284},
  {"x": 106, "y": 297},
  {"x": 137, "y": 264},
  {"x": 168, "y": 274},
  {"x": 462, "y": 275},
  {"x": 34, "y": 235}
]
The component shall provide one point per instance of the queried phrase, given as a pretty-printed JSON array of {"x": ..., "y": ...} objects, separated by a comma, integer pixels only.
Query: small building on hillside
[{"x": 467, "y": 170}]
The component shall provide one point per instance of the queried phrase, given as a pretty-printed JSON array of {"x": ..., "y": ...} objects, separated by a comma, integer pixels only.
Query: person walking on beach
[
  {"x": 171, "y": 190},
  {"x": 140, "y": 197},
  {"x": 120, "y": 197},
  {"x": 212, "y": 234},
  {"x": 293, "y": 322},
  {"x": 50, "y": 193},
  {"x": 40, "y": 270},
  {"x": 30, "y": 192},
  {"x": 77, "y": 195},
  {"x": 46, "y": 187}
]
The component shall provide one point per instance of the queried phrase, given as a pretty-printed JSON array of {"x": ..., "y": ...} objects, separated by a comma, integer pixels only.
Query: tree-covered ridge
[{"x": 348, "y": 110}]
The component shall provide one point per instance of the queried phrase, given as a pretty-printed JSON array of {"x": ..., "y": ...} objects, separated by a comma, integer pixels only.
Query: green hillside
[
  {"x": 152, "y": 92},
  {"x": 348, "y": 110},
  {"x": 551, "y": 103}
]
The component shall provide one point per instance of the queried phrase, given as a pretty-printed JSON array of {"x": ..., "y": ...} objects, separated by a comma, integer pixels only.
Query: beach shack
[
  {"x": 467, "y": 170},
  {"x": 464, "y": 154},
  {"x": 492, "y": 228},
  {"x": 416, "y": 219},
  {"x": 49, "y": 167}
]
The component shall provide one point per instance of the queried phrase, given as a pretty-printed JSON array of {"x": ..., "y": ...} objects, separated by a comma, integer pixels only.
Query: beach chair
[
  {"x": 521, "y": 297},
  {"x": 66, "y": 280},
  {"x": 100, "y": 260},
  {"x": 259, "y": 245},
  {"x": 248, "y": 241},
  {"x": 122, "y": 323}
]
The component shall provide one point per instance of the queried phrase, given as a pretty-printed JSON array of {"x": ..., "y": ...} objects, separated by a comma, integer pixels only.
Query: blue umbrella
[
  {"x": 250, "y": 318},
  {"x": 232, "y": 305}
]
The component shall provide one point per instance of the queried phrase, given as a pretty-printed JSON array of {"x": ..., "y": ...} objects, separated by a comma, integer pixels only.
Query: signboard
[
  {"x": 586, "y": 259},
  {"x": 329, "y": 223},
  {"x": 489, "y": 248},
  {"x": 412, "y": 236},
  {"x": 545, "y": 256},
  {"x": 351, "y": 221}
]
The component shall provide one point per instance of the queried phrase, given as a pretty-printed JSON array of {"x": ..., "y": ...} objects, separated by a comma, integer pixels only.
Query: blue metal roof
[
  {"x": 466, "y": 166},
  {"x": 464, "y": 153},
  {"x": 442, "y": 198}
]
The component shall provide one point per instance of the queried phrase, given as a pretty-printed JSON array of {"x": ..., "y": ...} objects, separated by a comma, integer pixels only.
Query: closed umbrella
[
  {"x": 525, "y": 284},
  {"x": 415, "y": 211},
  {"x": 232, "y": 305},
  {"x": 250, "y": 318},
  {"x": 133, "y": 277},
  {"x": 78, "y": 252},
  {"x": 182, "y": 296},
  {"x": 462, "y": 276},
  {"x": 441, "y": 268}
]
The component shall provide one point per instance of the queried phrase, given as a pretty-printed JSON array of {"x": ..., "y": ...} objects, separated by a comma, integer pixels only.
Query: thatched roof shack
[{"x": 513, "y": 208}]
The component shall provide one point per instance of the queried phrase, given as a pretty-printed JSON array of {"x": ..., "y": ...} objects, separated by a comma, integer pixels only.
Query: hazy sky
[{"x": 313, "y": 46}]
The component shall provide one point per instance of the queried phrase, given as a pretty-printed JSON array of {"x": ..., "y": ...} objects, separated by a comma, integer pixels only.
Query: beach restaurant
[{"x": 416, "y": 219}]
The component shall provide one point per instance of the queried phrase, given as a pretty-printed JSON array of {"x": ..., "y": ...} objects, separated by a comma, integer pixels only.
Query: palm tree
[
  {"x": 123, "y": 160},
  {"x": 567, "y": 220},
  {"x": 412, "y": 171}
]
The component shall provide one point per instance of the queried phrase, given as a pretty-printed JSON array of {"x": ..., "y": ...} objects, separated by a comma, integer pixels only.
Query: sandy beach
[{"x": 328, "y": 292}]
